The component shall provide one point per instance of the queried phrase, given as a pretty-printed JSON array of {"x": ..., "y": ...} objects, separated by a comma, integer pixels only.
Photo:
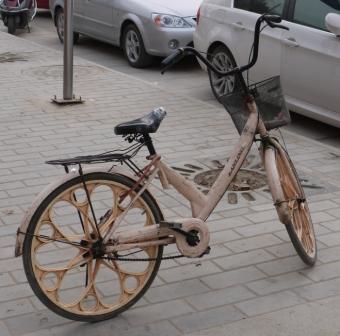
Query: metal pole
[
  {"x": 68, "y": 96},
  {"x": 68, "y": 50}
]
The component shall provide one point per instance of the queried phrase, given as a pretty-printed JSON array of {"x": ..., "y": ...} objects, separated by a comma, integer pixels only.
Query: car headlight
[{"x": 169, "y": 21}]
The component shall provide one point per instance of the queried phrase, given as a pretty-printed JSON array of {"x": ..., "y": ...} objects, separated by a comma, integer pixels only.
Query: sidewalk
[{"x": 252, "y": 283}]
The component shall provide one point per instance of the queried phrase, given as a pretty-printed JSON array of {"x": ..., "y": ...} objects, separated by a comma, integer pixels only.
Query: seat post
[{"x": 149, "y": 144}]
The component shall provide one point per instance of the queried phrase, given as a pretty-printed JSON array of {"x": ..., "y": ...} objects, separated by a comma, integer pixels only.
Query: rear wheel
[
  {"x": 77, "y": 282},
  {"x": 297, "y": 220},
  {"x": 59, "y": 23},
  {"x": 223, "y": 60},
  {"x": 11, "y": 26}
]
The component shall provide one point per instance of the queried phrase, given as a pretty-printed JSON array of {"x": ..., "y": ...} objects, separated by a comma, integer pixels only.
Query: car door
[
  {"x": 78, "y": 16},
  {"x": 100, "y": 19},
  {"x": 245, "y": 14},
  {"x": 311, "y": 60}
]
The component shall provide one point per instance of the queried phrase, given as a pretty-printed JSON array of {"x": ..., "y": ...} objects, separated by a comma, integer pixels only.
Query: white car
[{"x": 307, "y": 56}]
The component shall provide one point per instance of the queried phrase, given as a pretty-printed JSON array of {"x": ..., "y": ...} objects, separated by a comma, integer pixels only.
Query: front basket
[{"x": 269, "y": 100}]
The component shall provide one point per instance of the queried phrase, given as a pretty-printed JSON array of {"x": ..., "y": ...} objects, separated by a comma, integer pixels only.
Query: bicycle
[{"x": 90, "y": 268}]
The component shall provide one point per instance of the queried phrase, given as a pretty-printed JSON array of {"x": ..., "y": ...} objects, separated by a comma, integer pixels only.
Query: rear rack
[
  {"x": 91, "y": 159},
  {"x": 115, "y": 156}
]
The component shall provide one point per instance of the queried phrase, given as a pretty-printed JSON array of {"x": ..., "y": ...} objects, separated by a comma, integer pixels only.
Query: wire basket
[{"x": 269, "y": 100}]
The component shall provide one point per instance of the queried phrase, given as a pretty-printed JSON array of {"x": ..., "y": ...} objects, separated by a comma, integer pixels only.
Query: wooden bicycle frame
[{"x": 201, "y": 205}]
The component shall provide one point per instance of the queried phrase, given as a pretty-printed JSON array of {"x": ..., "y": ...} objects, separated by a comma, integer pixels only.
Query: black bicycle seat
[{"x": 143, "y": 125}]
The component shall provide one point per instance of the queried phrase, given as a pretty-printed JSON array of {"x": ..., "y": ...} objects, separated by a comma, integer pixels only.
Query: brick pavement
[{"x": 252, "y": 273}]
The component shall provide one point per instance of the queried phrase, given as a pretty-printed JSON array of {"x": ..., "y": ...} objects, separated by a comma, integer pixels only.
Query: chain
[
  {"x": 142, "y": 259},
  {"x": 119, "y": 258}
]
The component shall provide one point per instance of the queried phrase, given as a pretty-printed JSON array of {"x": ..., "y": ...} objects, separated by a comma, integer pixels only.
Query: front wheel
[
  {"x": 59, "y": 23},
  {"x": 72, "y": 280},
  {"x": 11, "y": 25},
  {"x": 291, "y": 203}
]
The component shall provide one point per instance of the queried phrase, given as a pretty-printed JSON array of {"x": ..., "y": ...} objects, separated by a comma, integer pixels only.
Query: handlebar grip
[
  {"x": 172, "y": 59},
  {"x": 272, "y": 18}
]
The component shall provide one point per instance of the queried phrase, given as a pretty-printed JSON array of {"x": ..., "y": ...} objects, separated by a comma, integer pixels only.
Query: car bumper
[{"x": 157, "y": 40}]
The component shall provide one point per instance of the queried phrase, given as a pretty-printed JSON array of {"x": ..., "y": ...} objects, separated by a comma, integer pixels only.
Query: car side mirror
[{"x": 332, "y": 22}]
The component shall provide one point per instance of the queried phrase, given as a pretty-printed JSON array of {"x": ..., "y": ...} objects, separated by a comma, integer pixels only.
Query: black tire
[
  {"x": 11, "y": 25},
  {"x": 300, "y": 226},
  {"x": 59, "y": 23},
  {"x": 32, "y": 245},
  {"x": 222, "y": 58},
  {"x": 133, "y": 47}
]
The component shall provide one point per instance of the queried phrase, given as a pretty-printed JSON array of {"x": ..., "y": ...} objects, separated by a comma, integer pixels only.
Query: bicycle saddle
[{"x": 146, "y": 124}]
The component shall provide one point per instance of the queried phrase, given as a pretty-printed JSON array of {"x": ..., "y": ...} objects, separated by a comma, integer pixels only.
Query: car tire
[
  {"x": 11, "y": 24},
  {"x": 222, "y": 58},
  {"x": 133, "y": 47},
  {"x": 59, "y": 23}
]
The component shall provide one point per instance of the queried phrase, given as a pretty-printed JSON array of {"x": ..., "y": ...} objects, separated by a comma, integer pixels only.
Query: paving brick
[
  {"x": 219, "y": 297},
  {"x": 227, "y": 223},
  {"x": 319, "y": 290},
  {"x": 3, "y": 330},
  {"x": 278, "y": 283},
  {"x": 335, "y": 212},
  {"x": 176, "y": 290},
  {"x": 329, "y": 254},
  {"x": 243, "y": 259},
  {"x": 282, "y": 250},
  {"x": 5, "y": 279},
  {"x": 262, "y": 216},
  {"x": 231, "y": 278},
  {"x": 331, "y": 239},
  {"x": 33, "y": 322},
  {"x": 269, "y": 303},
  {"x": 323, "y": 272},
  {"x": 320, "y": 230},
  {"x": 322, "y": 205},
  {"x": 157, "y": 312},
  {"x": 235, "y": 212},
  {"x": 332, "y": 225},
  {"x": 259, "y": 228},
  {"x": 207, "y": 319},
  {"x": 188, "y": 272},
  {"x": 221, "y": 237},
  {"x": 247, "y": 244},
  {"x": 15, "y": 307},
  {"x": 14, "y": 292},
  {"x": 280, "y": 266},
  {"x": 320, "y": 217}
]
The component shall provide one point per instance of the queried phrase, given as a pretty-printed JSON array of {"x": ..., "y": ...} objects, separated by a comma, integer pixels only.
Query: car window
[
  {"x": 312, "y": 13},
  {"x": 261, "y": 6}
]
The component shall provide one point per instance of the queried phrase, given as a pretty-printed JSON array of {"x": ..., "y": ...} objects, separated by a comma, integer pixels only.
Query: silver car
[{"x": 143, "y": 28}]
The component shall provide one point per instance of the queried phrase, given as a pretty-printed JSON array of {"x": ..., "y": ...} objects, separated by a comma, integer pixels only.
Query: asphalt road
[{"x": 185, "y": 78}]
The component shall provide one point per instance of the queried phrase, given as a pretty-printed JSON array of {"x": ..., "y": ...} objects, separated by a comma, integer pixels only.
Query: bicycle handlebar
[{"x": 271, "y": 20}]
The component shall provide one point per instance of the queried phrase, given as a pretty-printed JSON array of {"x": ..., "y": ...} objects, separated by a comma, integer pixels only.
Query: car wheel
[
  {"x": 223, "y": 60},
  {"x": 134, "y": 49},
  {"x": 59, "y": 23},
  {"x": 11, "y": 25}
]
